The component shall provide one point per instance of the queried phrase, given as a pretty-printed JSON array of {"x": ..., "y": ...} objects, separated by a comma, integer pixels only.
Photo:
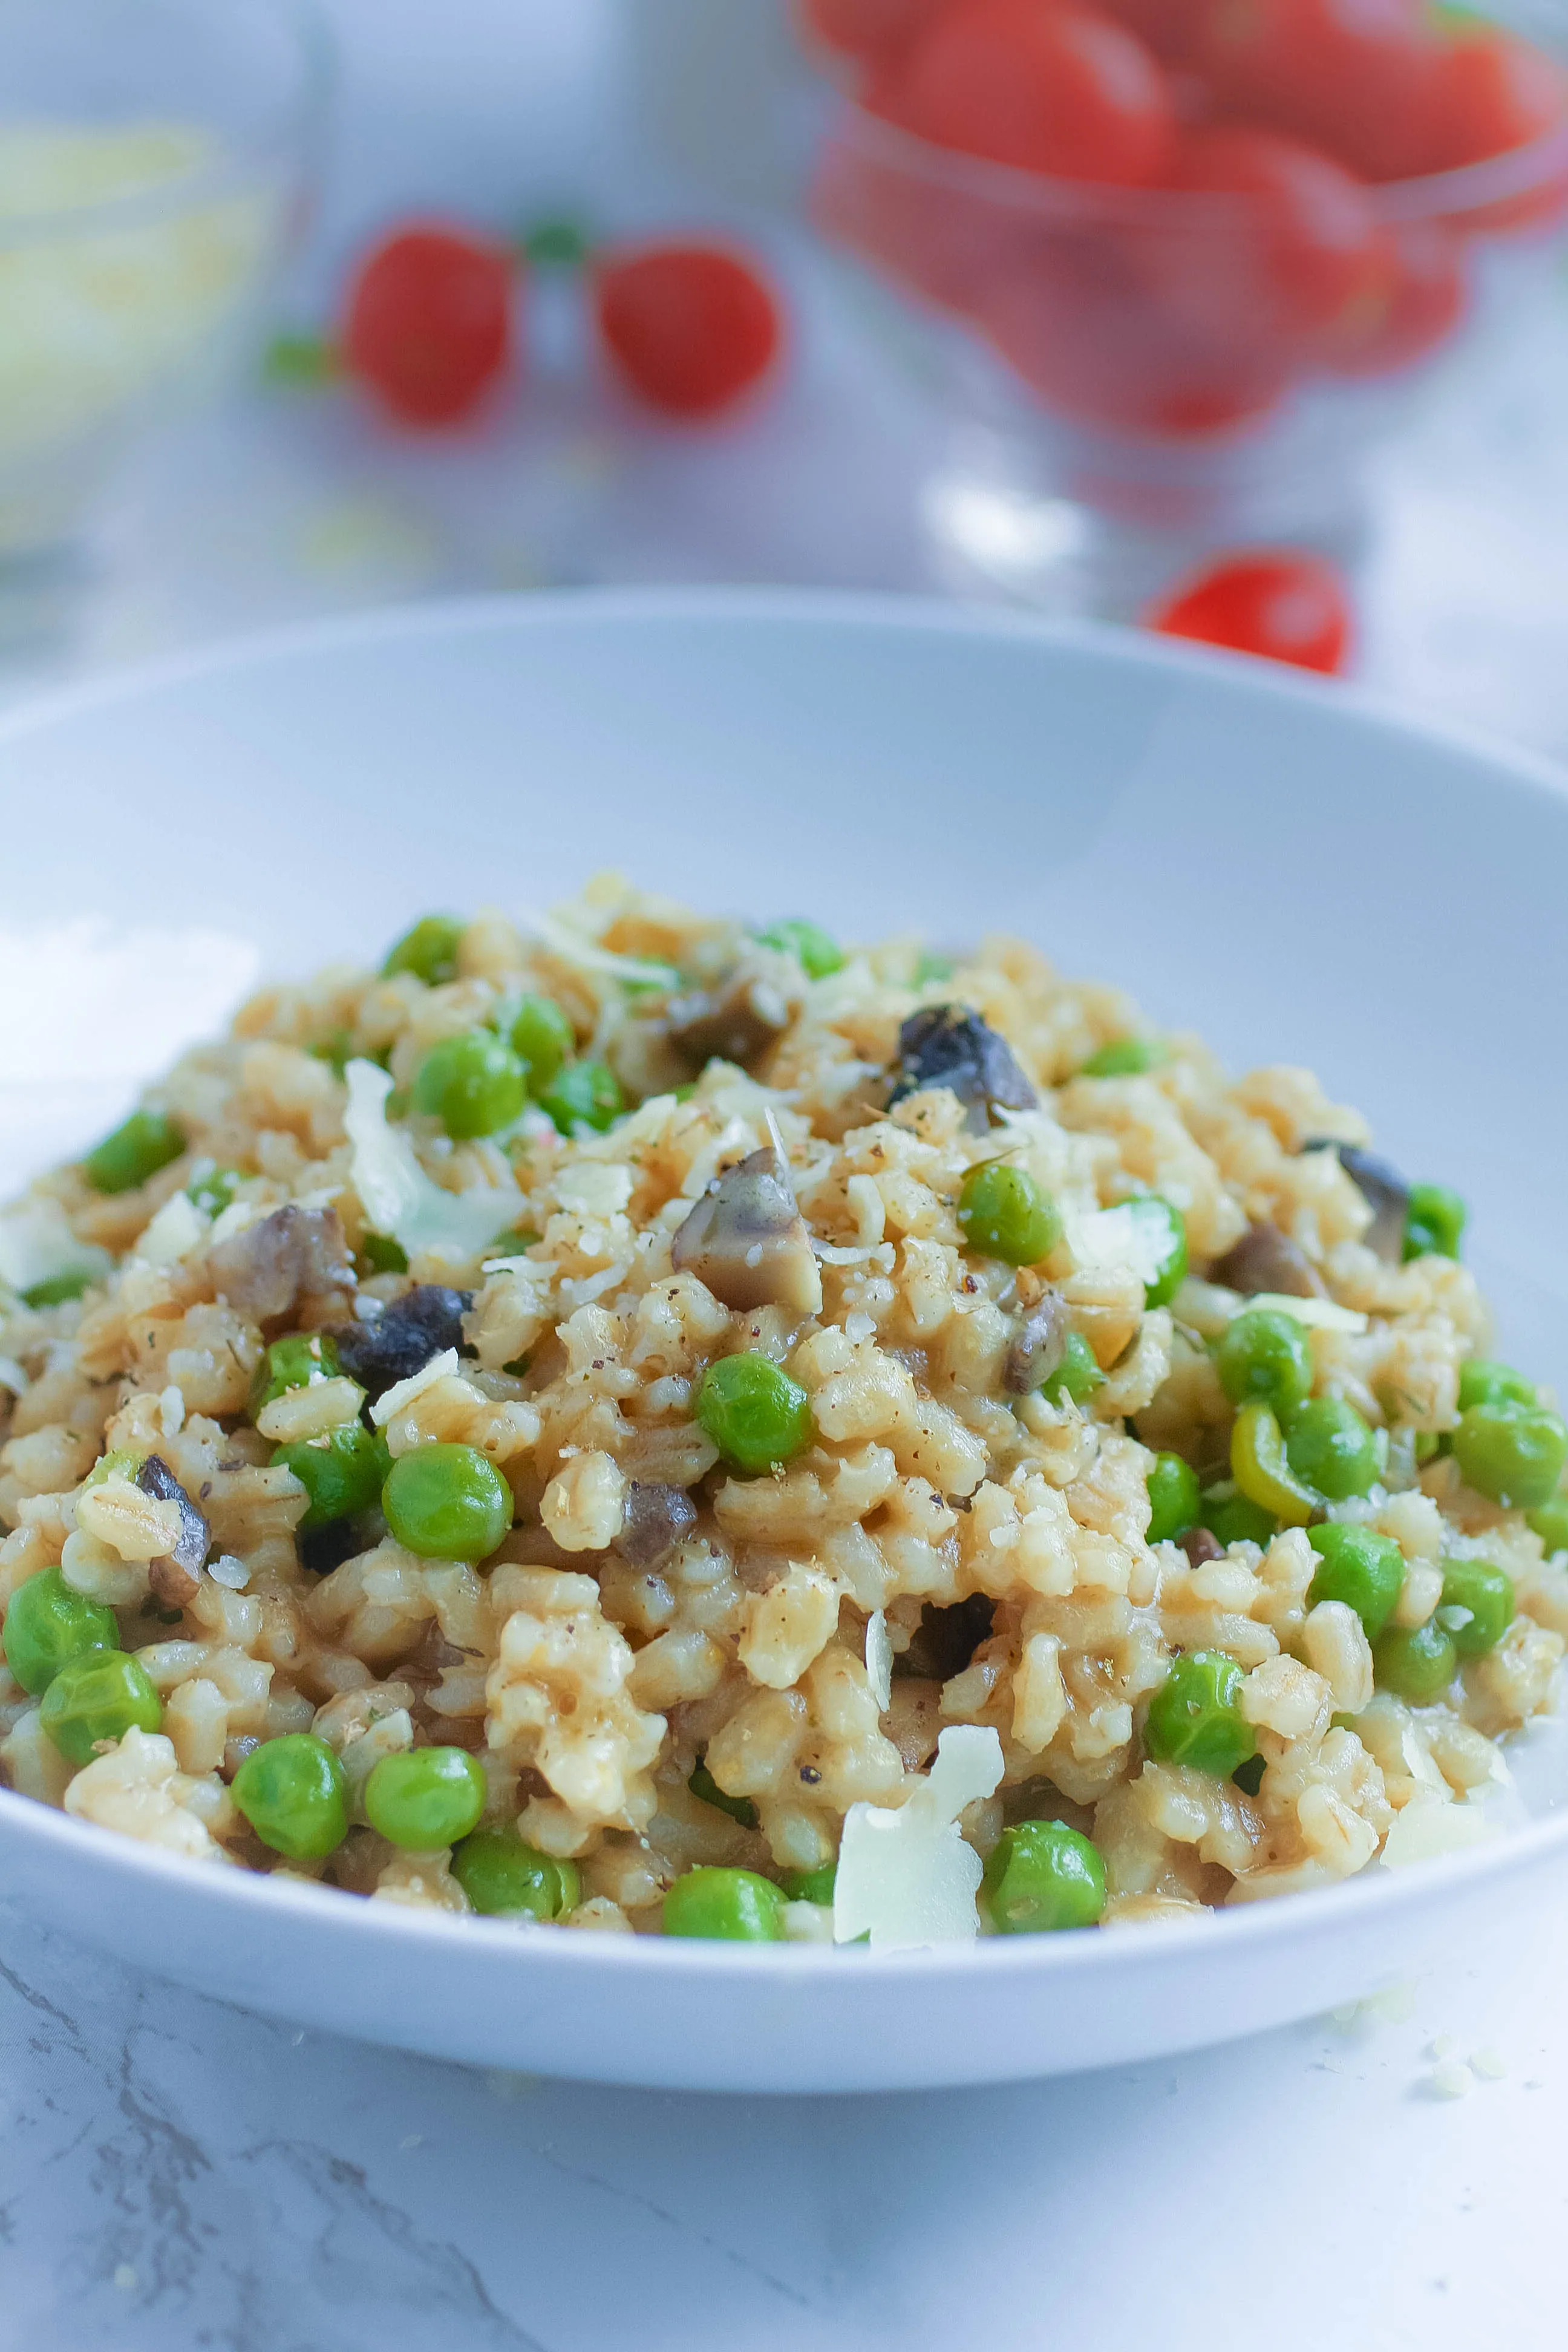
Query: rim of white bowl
[{"x": 1255, "y": 1926}]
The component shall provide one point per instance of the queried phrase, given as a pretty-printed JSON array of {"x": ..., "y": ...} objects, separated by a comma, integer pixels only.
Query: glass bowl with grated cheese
[{"x": 154, "y": 165}]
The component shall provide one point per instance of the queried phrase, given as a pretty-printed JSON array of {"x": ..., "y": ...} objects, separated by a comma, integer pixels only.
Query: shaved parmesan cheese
[
  {"x": 406, "y": 1391},
  {"x": 396, "y": 1194},
  {"x": 879, "y": 1660},
  {"x": 178, "y": 1228},
  {"x": 1320, "y": 1314},
  {"x": 1136, "y": 1235},
  {"x": 36, "y": 1243},
  {"x": 909, "y": 1877},
  {"x": 1427, "y": 1828},
  {"x": 591, "y": 957}
]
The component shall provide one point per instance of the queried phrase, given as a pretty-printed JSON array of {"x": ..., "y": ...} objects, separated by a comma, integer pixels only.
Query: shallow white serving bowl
[{"x": 1298, "y": 876}]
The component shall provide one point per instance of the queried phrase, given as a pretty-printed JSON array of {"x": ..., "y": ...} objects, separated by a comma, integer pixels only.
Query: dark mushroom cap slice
[
  {"x": 1267, "y": 1259},
  {"x": 174, "y": 1577},
  {"x": 747, "y": 1241},
  {"x": 1382, "y": 1187},
  {"x": 400, "y": 1341},
  {"x": 949, "y": 1045}
]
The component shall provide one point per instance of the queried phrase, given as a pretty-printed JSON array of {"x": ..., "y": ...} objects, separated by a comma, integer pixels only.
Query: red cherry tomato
[
  {"x": 1421, "y": 299},
  {"x": 428, "y": 329},
  {"x": 689, "y": 328},
  {"x": 875, "y": 31},
  {"x": 1290, "y": 606},
  {"x": 1497, "y": 92},
  {"x": 1059, "y": 89},
  {"x": 1297, "y": 255},
  {"x": 1357, "y": 77},
  {"x": 935, "y": 239},
  {"x": 1163, "y": 26},
  {"x": 1078, "y": 323}
]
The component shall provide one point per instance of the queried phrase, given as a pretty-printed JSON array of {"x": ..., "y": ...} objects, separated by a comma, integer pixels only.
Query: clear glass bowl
[
  {"x": 156, "y": 159},
  {"x": 1127, "y": 382}
]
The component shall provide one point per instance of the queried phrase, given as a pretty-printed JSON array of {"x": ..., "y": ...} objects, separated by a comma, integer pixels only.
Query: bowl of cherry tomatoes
[{"x": 1188, "y": 253}]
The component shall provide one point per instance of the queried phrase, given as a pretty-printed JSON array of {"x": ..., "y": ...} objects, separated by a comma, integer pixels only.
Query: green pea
[
  {"x": 123, "y": 1463},
  {"x": 214, "y": 1192},
  {"x": 426, "y": 1798},
  {"x": 145, "y": 1142},
  {"x": 1231, "y": 1518},
  {"x": 1512, "y": 1453},
  {"x": 447, "y": 1501},
  {"x": 931, "y": 967},
  {"x": 1416, "y": 1663},
  {"x": 809, "y": 1885},
  {"x": 473, "y": 1084},
  {"x": 95, "y": 1698},
  {"x": 754, "y": 1414},
  {"x": 735, "y": 1905},
  {"x": 544, "y": 1040},
  {"x": 1261, "y": 1468},
  {"x": 1125, "y": 1057},
  {"x": 292, "y": 1792},
  {"x": 429, "y": 951},
  {"x": 1265, "y": 1358},
  {"x": 1166, "y": 1229},
  {"x": 47, "y": 1624},
  {"x": 1331, "y": 1449},
  {"x": 1195, "y": 1718},
  {"x": 739, "y": 1809},
  {"x": 1004, "y": 1213},
  {"x": 337, "y": 1051},
  {"x": 296, "y": 1362},
  {"x": 1041, "y": 1877},
  {"x": 1550, "y": 1524},
  {"x": 817, "y": 954},
  {"x": 1477, "y": 1607},
  {"x": 383, "y": 1255},
  {"x": 1360, "y": 1567},
  {"x": 55, "y": 1288},
  {"x": 1434, "y": 1221},
  {"x": 1078, "y": 1375},
  {"x": 1483, "y": 1380},
  {"x": 342, "y": 1471},
  {"x": 1173, "y": 1497},
  {"x": 585, "y": 1094},
  {"x": 505, "y": 1879}
]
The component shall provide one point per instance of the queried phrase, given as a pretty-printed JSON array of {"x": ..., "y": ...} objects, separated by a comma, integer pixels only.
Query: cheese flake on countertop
[
  {"x": 907, "y": 1875},
  {"x": 398, "y": 1197}
]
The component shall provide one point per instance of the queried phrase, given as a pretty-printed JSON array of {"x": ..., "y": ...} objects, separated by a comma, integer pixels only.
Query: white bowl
[{"x": 1298, "y": 876}]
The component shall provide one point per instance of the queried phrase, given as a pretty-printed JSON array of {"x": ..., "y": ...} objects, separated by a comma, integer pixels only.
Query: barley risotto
[{"x": 635, "y": 1422}]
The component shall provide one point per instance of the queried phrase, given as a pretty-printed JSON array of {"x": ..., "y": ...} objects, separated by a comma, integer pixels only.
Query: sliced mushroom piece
[
  {"x": 747, "y": 1241},
  {"x": 294, "y": 1254},
  {"x": 1383, "y": 1190},
  {"x": 946, "y": 1639},
  {"x": 1041, "y": 1344},
  {"x": 732, "y": 1021},
  {"x": 948, "y": 1045},
  {"x": 657, "y": 1518},
  {"x": 175, "y": 1578},
  {"x": 1201, "y": 1545},
  {"x": 1267, "y": 1259},
  {"x": 400, "y": 1341}
]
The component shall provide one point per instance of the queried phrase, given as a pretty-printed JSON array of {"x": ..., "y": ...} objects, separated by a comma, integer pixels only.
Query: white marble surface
[{"x": 176, "y": 2177}]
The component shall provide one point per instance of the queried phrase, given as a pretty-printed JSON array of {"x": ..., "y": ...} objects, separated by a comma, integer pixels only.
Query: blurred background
[{"x": 1247, "y": 322}]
